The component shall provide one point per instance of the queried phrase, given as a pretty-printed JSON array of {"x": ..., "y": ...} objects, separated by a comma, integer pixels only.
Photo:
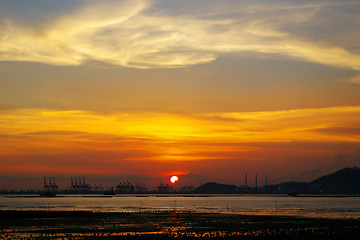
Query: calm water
[{"x": 332, "y": 207}]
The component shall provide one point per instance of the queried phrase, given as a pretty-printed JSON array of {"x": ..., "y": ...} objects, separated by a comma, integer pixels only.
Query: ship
[
  {"x": 110, "y": 192},
  {"x": 47, "y": 194},
  {"x": 50, "y": 188}
]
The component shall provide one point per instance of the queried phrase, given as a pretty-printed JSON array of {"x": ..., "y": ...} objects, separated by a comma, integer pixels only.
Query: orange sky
[
  {"x": 209, "y": 90},
  {"x": 222, "y": 146}
]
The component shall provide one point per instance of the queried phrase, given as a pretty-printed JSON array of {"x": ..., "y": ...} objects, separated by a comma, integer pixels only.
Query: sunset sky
[{"x": 209, "y": 90}]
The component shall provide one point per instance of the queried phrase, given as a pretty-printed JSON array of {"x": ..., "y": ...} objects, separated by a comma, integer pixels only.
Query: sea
[{"x": 323, "y": 206}]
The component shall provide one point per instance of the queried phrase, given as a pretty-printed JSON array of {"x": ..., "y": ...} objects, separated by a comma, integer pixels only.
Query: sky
[{"x": 208, "y": 90}]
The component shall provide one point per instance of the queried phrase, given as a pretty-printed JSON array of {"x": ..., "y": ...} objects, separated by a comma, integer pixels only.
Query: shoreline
[{"x": 42, "y": 224}]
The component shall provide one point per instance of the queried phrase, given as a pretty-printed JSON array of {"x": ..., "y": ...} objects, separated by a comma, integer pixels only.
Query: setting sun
[{"x": 174, "y": 179}]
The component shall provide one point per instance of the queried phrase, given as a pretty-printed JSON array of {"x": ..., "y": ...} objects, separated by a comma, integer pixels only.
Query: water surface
[{"x": 309, "y": 206}]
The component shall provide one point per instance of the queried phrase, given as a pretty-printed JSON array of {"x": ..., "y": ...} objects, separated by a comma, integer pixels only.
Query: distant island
[{"x": 344, "y": 181}]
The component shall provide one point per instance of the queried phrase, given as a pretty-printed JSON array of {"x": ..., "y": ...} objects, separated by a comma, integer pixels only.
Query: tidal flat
[{"x": 27, "y": 224}]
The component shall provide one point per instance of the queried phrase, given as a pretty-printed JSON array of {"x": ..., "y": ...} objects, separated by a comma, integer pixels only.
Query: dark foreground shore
[{"x": 168, "y": 225}]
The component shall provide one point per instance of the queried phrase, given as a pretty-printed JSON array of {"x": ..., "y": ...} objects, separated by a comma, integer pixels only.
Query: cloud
[
  {"x": 342, "y": 131},
  {"x": 171, "y": 138},
  {"x": 133, "y": 34},
  {"x": 296, "y": 124},
  {"x": 39, "y": 141},
  {"x": 193, "y": 176},
  {"x": 355, "y": 79}
]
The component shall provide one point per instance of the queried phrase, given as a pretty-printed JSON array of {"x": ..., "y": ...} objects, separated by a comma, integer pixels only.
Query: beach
[{"x": 53, "y": 224}]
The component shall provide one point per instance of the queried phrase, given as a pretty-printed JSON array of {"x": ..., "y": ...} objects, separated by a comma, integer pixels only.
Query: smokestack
[
  {"x": 246, "y": 180},
  {"x": 256, "y": 182},
  {"x": 266, "y": 180}
]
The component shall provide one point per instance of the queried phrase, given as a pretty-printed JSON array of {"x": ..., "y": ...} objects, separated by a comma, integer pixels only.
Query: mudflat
[{"x": 168, "y": 225}]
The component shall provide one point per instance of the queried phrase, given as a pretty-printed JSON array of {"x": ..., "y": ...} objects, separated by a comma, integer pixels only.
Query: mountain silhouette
[
  {"x": 346, "y": 180},
  {"x": 216, "y": 188}
]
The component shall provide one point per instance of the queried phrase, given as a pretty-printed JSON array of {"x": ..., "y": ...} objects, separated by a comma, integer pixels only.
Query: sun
[{"x": 174, "y": 179}]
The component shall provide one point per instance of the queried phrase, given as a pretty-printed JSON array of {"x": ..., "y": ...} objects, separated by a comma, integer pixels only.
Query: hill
[
  {"x": 346, "y": 180},
  {"x": 216, "y": 188},
  {"x": 295, "y": 187}
]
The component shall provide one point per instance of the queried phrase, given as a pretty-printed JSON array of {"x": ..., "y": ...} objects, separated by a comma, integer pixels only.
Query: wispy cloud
[
  {"x": 161, "y": 132},
  {"x": 67, "y": 142},
  {"x": 355, "y": 79},
  {"x": 133, "y": 34}
]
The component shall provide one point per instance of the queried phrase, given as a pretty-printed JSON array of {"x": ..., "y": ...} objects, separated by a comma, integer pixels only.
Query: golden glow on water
[{"x": 68, "y": 224}]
